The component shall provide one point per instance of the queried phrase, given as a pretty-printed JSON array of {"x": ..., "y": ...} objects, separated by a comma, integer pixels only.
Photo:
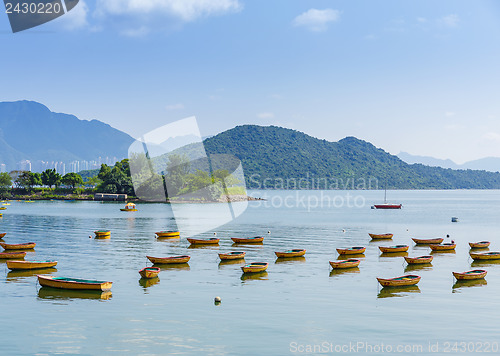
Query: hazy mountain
[
  {"x": 491, "y": 164},
  {"x": 29, "y": 130}
]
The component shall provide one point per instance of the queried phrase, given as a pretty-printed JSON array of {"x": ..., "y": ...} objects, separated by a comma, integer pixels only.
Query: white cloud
[
  {"x": 178, "y": 106},
  {"x": 77, "y": 17},
  {"x": 317, "y": 20},
  {"x": 265, "y": 115},
  {"x": 491, "y": 136},
  {"x": 451, "y": 20},
  {"x": 186, "y": 10}
]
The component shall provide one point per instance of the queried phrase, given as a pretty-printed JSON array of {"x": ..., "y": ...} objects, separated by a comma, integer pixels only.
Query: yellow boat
[
  {"x": 149, "y": 272},
  {"x": 25, "y": 246},
  {"x": 381, "y": 236},
  {"x": 3, "y": 208},
  {"x": 30, "y": 264},
  {"x": 211, "y": 241},
  {"x": 231, "y": 256},
  {"x": 73, "y": 283},
  {"x": 485, "y": 256},
  {"x": 406, "y": 280},
  {"x": 345, "y": 264},
  {"x": 290, "y": 253},
  {"x": 443, "y": 247},
  {"x": 12, "y": 255},
  {"x": 418, "y": 260},
  {"x": 255, "y": 267},
  {"x": 396, "y": 248},
  {"x": 6, "y": 204},
  {"x": 436, "y": 240},
  {"x": 3, "y": 234},
  {"x": 171, "y": 234},
  {"x": 129, "y": 207},
  {"x": 480, "y": 244},
  {"x": 169, "y": 260},
  {"x": 474, "y": 274},
  {"x": 351, "y": 250},
  {"x": 102, "y": 234},
  {"x": 247, "y": 240}
]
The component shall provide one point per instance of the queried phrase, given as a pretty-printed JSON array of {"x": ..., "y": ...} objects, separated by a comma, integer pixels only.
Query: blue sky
[{"x": 419, "y": 76}]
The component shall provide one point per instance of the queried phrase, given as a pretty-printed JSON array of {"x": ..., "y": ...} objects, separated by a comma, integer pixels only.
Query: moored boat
[
  {"x": 485, "y": 256},
  {"x": 210, "y": 241},
  {"x": 247, "y": 240},
  {"x": 418, "y": 260},
  {"x": 381, "y": 236},
  {"x": 255, "y": 267},
  {"x": 30, "y": 264},
  {"x": 435, "y": 240},
  {"x": 351, "y": 263},
  {"x": 170, "y": 233},
  {"x": 396, "y": 248},
  {"x": 480, "y": 244},
  {"x": 406, "y": 280},
  {"x": 443, "y": 247},
  {"x": 351, "y": 250},
  {"x": 12, "y": 255},
  {"x": 169, "y": 260},
  {"x": 129, "y": 207},
  {"x": 3, "y": 234},
  {"x": 474, "y": 274},
  {"x": 149, "y": 272},
  {"x": 73, "y": 283},
  {"x": 102, "y": 234},
  {"x": 24, "y": 246},
  {"x": 3, "y": 208},
  {"x": 232, "y": 255},
  {"x": 290, "y": 253}
]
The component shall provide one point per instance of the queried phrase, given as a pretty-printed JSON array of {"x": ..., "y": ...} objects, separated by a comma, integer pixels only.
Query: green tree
[
  {"x": 5, "y": 183},
  {"x": 177, "y": 174},
  {"x": 116, "y": 179},
  {"x": 51, "y": 178},
  {"x": 28, "y": 180},
  {"x": 72, "y": 179}
]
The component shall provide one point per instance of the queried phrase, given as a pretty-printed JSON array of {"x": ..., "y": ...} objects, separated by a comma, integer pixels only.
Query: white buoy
[{"x": 217, "y": 300}]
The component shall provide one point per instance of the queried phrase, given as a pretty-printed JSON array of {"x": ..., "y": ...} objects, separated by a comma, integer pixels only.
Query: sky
[{"x": 415, "y": 76}]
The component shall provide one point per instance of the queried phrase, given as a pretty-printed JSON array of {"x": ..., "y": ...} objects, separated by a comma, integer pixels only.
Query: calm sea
[{"x": 298, "y": 306}]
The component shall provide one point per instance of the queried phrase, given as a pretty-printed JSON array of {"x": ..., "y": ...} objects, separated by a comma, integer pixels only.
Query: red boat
[{"x": 388, "y": 206}]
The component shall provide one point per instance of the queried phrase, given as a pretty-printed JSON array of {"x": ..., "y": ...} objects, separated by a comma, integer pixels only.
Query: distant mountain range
[
  {"x": 30, "y": 131},
  {"x": 491, "y": 164}
]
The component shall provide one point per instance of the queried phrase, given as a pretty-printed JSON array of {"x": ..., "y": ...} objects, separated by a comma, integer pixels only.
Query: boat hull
[
  {"x": 171, "y": 234},
  {"x": 291, "y": 253},
  {"x": 408, "y": 280},
  {"x": 25, "y": 246},
  {"x": 247, "y": 240},
  {"x": 72, "y": 283},
  {"x": 442, "y": 247},
  {"x": 388, "y": 206},
  {"x": 231, "y": 256},
  {"x": 128, "y": 209},
  {"x": 435, "y": 241},
  {"x": 11, "y": 255},
  {"x": 3, "y": 234},
  {"x": 352, "y": 263},
  {"x": 351, "y": 251},
  {"x": 392, "y": 249},
  {"x": 381, "y": 236},
  {"x": 470, "y": 275},
  {"x": 212, "y": 241},
  {"x": 418, "y": 260},
  {"x": 481, "y": 244},
  {"x": 485, "y": 256},
  {"x": 149, "y": 272},
  {"x": 169, "y": 260},
  {"x": 255, "y": 267},
  {"x": 102, "y": 234},
  {"x": 26, "y": 265}
]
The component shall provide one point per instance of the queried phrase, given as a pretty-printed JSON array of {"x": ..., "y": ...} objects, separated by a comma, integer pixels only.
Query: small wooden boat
[
  {"x": 73, "y": 283},
  {"x": 102, "y": 234},
  {"x": 474, "y": 274},
  {"x": 129, "y": 207},
  {"x": 232, "y": 256},
  {"x": 345, "y": 264},
  {"x": 255, "y": 267},
  {"x": 351, "y": 250},
  {"x": 149, "y": 272},
  {"x": 3, "y": 234},
  {"x": 388, "y": 206},
  {"x": 418, "y": 260},
  {"x": 290, "y": 253},
  {"x": 443, "y": 247},
  {"x": 25, "y": 246},
  {"x": 391, "y": 249},
  {"x": 247, "y": 240},
  {"x": 485, "y": 256},
  {"x": 381, "y": 236},
  {"x": 436, "y": 240},
  {"x": 406, "y": 280},
  {"x": 30, "y": 264},
  {"x": 3, "y": 208},
  {"x": 480, "y": 244},
  {"x": 211, "y": 241},
  {"x": 169, "y": 260},
  {"x": 12, "y": 255},
  {"x": 170, "y": 233}
]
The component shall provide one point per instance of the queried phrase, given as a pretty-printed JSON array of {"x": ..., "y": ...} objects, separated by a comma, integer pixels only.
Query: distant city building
[
  {"x": 3, "y": 168},
  {"x": 24, "y": 165}
]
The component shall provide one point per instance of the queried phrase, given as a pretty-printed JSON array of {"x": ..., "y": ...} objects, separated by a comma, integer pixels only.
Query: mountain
[
  {"x": 30, "y": 131},
  {"x": 272, "y": 155},
  {"x": 491, "y": 164}
]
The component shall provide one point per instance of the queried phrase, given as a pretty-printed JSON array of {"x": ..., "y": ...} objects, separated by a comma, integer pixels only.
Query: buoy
[
  {"x": 90, "y": 237},
  {"x": 343, "y": 230},
  {"x": 217, "y": 300}
]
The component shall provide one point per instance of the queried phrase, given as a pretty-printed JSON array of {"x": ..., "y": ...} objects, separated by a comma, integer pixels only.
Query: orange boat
[
  {"x": 381, "y": 236},
  {"x": 3, "y": 234},
  {"x": 102, "y": 234},
  {"x": 149, "y": 272},
  {"x": 290, "y": 253},
  {"x": 443, "y": 247},
  {"x": 480, "y": 244},
  {"x": 474, "y": 274},
  {"x": 25, "y": 246},
  {"x": 255, "y": 267},
  {"x": 345, "y": 264},
  {"x": 247, "y": 240},
  {"x": 170, "y": 233},
  {"x": 211, "y": 241},
  {"x": 232, "y": 256},
  {"x": 485, "y": 256},
  {"x": 351, "y": 250},
  {"x": 169, "y": 260},
  {"x": 436, "y": 240},
  {"x": 26, "y": 265},
  {"x": 407, "y": 280},
  {"x": 418, "y": 260},
  {"x": 12, "y": 255},
  {"x": 396, "y": 248},
  {"x": 73, "y": 283}
]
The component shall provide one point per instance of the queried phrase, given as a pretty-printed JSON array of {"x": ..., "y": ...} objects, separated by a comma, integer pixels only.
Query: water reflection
[
  {"x": 485, "y": 263},
  {"x": 389, "y": 292},
  {"x": 288, "y": 260},
  {"x": 14, "y": 275},
  {"x": 393, "y": 254},
  {"x": 148, "y": 282},
  {"x": 466, "y": 284},
  {"x": 240, "y": 244},
  {"x": 170, "y": 266},
  {"x": 204, "y": 246},
  {"x": 66, "y": 294},
  {"x": 257, "y": 276},
  {"x": 443, "y": 252},
  {"x": 240, "y": 261},
  {"x": 418, "y": 267},
  {"x": 340, "y": 271},
  {"x": 347, "y": 257}
]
